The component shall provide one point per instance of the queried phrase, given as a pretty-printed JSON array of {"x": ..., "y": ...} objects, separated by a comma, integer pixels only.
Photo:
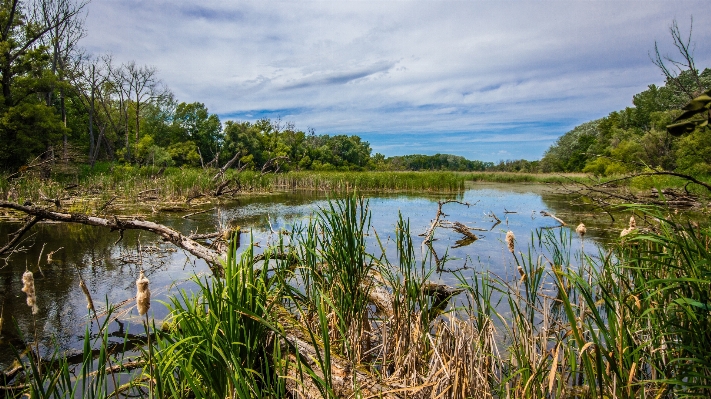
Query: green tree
[
  {"x": 28, "y": 127},
  {"x": 193, "y": 122},
  {"x": 570, "y": 151}
]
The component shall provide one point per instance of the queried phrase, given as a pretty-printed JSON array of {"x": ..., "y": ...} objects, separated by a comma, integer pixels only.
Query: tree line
[
  {"x": 58, "y": 102},
  {"x": 637, "y": 138}
]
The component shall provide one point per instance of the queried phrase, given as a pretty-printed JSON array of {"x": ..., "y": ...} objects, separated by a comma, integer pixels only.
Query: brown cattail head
[
  {"x": 510, "y": 240},
  {"x": 143, "y": 295},
  {"x": 633, "y": 227},
  {"x": 581, "y": 230},
  {"x": 29, "y": 288},
  {"x": 89, "y": 302}
]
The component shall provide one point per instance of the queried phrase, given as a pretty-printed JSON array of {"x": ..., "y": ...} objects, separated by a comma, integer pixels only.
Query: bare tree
[
  {"x": 62, "y": 42},
  {"x": 144, "y": 86},
  {"x": 673, "y": 68},
  {"x": 89, "y": 80}
]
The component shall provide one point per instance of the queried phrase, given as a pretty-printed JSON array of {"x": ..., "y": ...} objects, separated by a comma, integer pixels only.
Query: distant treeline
[{"x": 58, "y": 103}]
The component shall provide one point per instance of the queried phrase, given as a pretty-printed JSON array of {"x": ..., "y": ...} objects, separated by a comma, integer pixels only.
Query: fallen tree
[{"x": 186, "y": 242}]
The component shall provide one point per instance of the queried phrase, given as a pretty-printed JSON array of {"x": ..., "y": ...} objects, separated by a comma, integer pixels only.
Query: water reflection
[{"x": 110, "y": 263}]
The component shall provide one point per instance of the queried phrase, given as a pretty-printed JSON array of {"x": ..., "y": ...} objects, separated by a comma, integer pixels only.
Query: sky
[{"x": 487, "y": 80}]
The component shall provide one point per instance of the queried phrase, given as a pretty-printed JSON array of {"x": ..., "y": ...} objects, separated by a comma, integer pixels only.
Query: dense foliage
[
  {"x": 57, "y": 103},
  {"x": 635, "y": 138}
]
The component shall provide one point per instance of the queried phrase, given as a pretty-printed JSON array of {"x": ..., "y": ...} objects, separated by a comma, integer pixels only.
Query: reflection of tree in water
[{"x": 62, "y": 309}]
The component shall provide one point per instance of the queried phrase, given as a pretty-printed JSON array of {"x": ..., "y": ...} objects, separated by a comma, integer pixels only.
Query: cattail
[
  {"x": 633, "y": 227},
  {"x": 89, "y": 302},
  {"x": 581, "y": 230},
  {"x": 522, "y": 273},
  {"x": 29, "y": 288},
  {"x": 510, "y": 240},
  {"x": 143, "y": 296}
]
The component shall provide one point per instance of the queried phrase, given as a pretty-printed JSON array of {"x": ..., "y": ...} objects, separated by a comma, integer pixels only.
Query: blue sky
[{"x": 487, "y": 80}]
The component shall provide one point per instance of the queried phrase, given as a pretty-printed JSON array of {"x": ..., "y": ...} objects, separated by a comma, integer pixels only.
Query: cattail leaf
[
  {"x": 698, "y": 103},
  {"x": 694, "y": 303},
  {"x": 554, "y": 367}
]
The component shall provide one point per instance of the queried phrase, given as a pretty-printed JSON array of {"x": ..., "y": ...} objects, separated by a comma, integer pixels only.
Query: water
[{"x": 110, "y": 266}]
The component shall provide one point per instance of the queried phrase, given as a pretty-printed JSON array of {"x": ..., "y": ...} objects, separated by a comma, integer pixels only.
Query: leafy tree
[
  {"x": 570, "y": 152},
  {"x": 28, "y": 126},
  {"x": 192, "y": 122}
]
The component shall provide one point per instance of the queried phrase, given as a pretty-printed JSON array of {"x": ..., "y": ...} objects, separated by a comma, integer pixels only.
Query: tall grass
[
  {"x": 371, "y": 181},
  {"x": 222, "y": 340},
  {"x": 319, "y": 315}
]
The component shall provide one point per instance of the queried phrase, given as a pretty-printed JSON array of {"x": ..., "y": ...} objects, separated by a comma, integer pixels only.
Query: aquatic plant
[{"x": 317, "y": 315}]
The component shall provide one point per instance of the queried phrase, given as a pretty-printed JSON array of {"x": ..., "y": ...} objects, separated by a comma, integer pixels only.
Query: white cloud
[{"x": 387, "y": 67}]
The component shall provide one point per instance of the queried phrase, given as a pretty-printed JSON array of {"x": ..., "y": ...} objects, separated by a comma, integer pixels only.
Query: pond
[{"x": 110, "y": 264}]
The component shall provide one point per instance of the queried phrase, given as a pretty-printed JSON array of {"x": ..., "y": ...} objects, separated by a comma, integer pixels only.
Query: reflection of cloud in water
[{"x": 110, "y": 270}]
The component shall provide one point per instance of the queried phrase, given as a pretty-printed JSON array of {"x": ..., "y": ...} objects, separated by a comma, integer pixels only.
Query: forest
[{"x": 60, "y": 103}]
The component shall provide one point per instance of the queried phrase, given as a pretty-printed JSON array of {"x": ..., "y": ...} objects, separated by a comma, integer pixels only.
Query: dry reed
[
  {"x": 28, "y": 288},
  {"x": 143, "y": 295}
]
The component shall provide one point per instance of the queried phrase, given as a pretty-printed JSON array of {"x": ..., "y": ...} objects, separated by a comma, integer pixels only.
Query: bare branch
[
  {"x": 210, "y": 256},
  {"x": 18, "y": 234}
]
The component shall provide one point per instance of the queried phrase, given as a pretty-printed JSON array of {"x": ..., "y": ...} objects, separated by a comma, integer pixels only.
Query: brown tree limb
[
  {"x": 265, "y": 167},
  {"x": 429, "y": 234},
  {"x": 210, "y": 256},
  {"x": 198, "y": 212},
  {"x": 224, "y": 168},
  {"x": 554, "y": 217}
]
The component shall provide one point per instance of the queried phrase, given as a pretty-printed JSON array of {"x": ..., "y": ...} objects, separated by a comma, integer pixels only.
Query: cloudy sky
[{"x": 487, "y": 80}]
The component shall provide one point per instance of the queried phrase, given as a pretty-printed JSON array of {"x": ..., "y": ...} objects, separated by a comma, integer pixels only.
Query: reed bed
[
  {"x": 319, "y": 316},
  {"x": 517, "y": 177},
  {"x": 372, "y": 181}
]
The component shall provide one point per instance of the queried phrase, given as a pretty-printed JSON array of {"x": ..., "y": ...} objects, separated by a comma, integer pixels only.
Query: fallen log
[{"x": 209, "y": 255}]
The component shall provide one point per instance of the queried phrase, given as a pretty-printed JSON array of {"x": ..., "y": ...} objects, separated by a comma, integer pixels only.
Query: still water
[{"x": 110, "y": 266}]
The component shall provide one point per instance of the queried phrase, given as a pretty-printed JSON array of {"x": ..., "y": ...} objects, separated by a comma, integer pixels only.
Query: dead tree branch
[
  {"x": 429, "y": 234},
  {"x": 210, "y": 256},
  {"x": 554, "y": 217},
  {"x": 226, "y": 166},
  {"x": 18, "y": 234},
  {"x": 273, "y": 161}
]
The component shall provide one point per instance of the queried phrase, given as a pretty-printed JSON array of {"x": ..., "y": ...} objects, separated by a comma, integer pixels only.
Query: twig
[
  {"x": 108, "y": 203},
  {"x": 198, "y": 212},
  {"x": 498, "y": 221},
  {"x": 19, "y": 233}
]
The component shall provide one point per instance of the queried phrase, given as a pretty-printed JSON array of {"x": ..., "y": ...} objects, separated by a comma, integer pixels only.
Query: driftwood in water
[
  {"x": 176, "y": 238},
  {"x": 554, "y": 217},
  {"x": 429, "y": 234}
]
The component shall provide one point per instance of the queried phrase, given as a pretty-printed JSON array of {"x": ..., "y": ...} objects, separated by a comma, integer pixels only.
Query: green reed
[
  {"x": 632, "y": 320},
  {"x": 221, "y": 341}
]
